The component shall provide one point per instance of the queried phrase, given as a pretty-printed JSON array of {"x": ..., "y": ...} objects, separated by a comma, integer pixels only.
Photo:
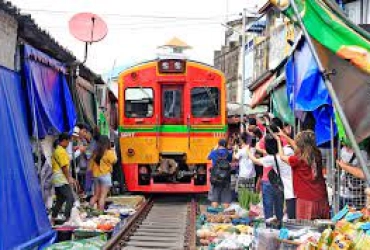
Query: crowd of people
[
  {"x": 82, "y": 165},
  {"x": 286, "y": 170}
]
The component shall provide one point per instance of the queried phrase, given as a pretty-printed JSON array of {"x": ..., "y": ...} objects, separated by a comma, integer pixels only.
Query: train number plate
[{"x": 127, "y": 134}]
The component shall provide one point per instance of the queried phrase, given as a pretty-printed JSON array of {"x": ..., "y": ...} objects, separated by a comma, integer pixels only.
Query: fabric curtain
[
  {"x": 22, "y": 211},
  {"x": 87, "y": 104},
  {"x": 85, "y": 100},
  {"x": 49, "y": 100}
]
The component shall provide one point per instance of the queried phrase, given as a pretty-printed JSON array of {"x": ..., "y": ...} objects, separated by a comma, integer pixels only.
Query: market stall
[{"x": 90, "y": 228}]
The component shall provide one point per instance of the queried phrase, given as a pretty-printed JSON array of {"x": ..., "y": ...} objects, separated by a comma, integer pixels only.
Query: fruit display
[
  {"x": 223, "y": 229},
  {"x": 351, "y": 232}
]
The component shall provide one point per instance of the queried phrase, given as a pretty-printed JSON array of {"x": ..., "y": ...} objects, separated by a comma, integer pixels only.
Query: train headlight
[
  {"x": 130, "y": 152},
  {"x": 165, "y": 65},
  {"x": 178, "y": 65}
]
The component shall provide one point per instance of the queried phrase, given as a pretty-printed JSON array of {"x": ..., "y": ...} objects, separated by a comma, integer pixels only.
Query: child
[{"x": 62, "y": 178}]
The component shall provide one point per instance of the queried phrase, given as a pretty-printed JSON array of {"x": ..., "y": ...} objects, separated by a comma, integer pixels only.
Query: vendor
[
  {"x": 62, "y": 178},
  {"x": 352, "y": 190}
]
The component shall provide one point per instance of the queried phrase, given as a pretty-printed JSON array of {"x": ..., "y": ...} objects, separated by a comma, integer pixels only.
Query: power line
[
  {"x": 130, "y": 27},
  {"x": 130, "y": 16}
]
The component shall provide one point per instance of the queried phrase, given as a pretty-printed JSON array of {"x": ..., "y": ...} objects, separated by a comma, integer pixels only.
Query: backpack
[{"x": 221, "y": 172}]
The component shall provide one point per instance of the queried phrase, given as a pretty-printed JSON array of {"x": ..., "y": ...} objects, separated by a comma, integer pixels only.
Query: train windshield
[
  {"x": 205, "y": 102},
  {"x": 172, "y": 103},
  {"x": 138, "y": 102}
]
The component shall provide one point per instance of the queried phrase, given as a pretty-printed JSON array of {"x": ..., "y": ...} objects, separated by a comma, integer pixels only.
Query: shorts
[
  {"x": 220, "y": 194},
  {"x": 105, "y": 180}
]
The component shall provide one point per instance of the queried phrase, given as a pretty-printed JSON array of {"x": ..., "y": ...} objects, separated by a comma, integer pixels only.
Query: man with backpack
[{"x": 220, "y": 191}]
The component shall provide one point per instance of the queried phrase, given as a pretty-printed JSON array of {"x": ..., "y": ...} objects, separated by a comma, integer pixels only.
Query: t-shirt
[
  {"x": 215, "y": 154},
  {"x": 246, "y": 166},
  {"x": 305, "y": 187},
  {"x": 59, "y": 159},
  {"x": 285, "y": 172},
  {"x": 262, "y": 145},
  {"x": 106, "y": 164}
]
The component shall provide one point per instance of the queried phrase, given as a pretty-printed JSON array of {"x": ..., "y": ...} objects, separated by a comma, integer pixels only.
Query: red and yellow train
[{"x": 170, "y": 111}]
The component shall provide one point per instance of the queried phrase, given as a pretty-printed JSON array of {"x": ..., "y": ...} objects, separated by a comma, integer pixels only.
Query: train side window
[
  {"x": 205, "y": 102},
  {"x": 139, "y": 102}
]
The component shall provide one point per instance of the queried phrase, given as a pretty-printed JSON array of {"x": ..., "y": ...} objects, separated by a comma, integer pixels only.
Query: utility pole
[{"x": 243, "y": 67}]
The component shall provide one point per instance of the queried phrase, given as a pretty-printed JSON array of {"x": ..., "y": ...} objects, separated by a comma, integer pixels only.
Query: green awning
[{"x": 280, "y": 105}]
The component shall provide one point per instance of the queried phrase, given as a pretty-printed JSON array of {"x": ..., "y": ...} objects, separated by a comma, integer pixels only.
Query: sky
[{"x": 136, "y": 28}]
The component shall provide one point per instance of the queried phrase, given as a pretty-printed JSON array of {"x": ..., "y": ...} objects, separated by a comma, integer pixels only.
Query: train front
[{"x": 171, "y": 113}]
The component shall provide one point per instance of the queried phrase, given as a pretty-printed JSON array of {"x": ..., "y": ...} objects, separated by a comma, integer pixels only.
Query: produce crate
[{"x": 85, "y": 234}]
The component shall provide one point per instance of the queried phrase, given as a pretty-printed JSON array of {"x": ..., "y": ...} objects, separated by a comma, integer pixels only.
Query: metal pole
[
  {"x": 333, "y": 95},
  {"x": 243, "y": 68},
  {"x": 332, "y": 168}
]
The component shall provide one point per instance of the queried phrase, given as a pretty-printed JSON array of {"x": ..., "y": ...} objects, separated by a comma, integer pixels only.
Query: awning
[
  {"x": 276, "y": 83},
  {"x": 280, "y": 105},
  {"x": 235, "y": 109},
  {"x": 260, "y": 94}
]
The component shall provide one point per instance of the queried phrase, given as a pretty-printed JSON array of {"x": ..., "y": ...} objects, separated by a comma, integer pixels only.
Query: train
[{"x": 172, "y": 113}]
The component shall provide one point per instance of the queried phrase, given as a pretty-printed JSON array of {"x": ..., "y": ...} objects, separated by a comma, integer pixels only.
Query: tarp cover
[
  {"x": 22, "y": 211},
  {"x": 84, "y": 98},
  {"x": 352, "y": 87},
  {"x": 333, "y": 30},
  {"x": 50, "y": 102},
  {"x": 306, "y": 91}
]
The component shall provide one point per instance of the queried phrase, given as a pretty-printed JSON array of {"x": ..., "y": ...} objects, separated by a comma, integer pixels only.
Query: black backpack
[{"x": 221, "y": 172}]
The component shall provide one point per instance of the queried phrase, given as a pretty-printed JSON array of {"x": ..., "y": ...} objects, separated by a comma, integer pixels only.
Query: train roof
[{"x": 157, "y": 59}]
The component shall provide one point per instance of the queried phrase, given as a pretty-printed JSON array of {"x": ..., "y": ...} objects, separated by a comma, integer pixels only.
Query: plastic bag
[
  {"x": 241, "y": 212},
  {"x": 95, "y": 243}
]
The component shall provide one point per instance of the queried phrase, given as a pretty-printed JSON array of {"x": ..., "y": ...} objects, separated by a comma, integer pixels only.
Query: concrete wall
[{"x": 8, "y": 40}]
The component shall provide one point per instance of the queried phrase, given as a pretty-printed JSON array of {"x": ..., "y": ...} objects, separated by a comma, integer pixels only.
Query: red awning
[{"x": 260, "y": 94}]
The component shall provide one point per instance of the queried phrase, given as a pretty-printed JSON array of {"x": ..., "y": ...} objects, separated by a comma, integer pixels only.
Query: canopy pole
[
  {"x": 333, "y": 95},
  {"x": 243, "y": 69}
]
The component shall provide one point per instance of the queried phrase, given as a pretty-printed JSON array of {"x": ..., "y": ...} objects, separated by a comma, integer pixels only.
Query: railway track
[{"x": 160, "y": 223}]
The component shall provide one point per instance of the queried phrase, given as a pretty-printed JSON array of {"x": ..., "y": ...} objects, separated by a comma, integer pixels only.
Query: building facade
[{"x": 8, "y": 40}]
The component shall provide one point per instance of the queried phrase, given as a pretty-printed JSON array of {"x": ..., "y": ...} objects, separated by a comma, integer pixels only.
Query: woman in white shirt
[{"x": 247, "y": 173}]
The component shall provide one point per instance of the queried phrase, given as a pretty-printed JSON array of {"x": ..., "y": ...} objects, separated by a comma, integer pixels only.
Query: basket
[{"x": 288, "y": 245}]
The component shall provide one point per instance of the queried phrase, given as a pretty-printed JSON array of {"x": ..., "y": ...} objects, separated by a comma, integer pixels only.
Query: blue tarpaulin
[
  {"x": 307, "y": 92},
  {"x": 24, "y": 221},
  {"x": 50, "y": 102}
]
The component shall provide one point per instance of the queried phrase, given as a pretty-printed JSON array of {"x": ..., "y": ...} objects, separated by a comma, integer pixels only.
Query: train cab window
[
  {"x": 172, "y": 103},
  {"x": 205, "y": 102},
  {"x": 139, "y": 102}
]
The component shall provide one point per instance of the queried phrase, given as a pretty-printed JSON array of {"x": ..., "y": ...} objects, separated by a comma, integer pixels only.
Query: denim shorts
[{"x": 105, "y": 180}]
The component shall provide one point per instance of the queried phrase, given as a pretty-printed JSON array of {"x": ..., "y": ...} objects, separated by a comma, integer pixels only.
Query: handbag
[{"x": 275, "y": 178}]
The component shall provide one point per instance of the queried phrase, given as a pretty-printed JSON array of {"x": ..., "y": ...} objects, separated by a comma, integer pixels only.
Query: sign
[{"x": 278, "y": 43}]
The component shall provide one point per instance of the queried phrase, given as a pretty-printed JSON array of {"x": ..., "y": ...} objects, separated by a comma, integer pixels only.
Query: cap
[{"x": 76, "y": 131}]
